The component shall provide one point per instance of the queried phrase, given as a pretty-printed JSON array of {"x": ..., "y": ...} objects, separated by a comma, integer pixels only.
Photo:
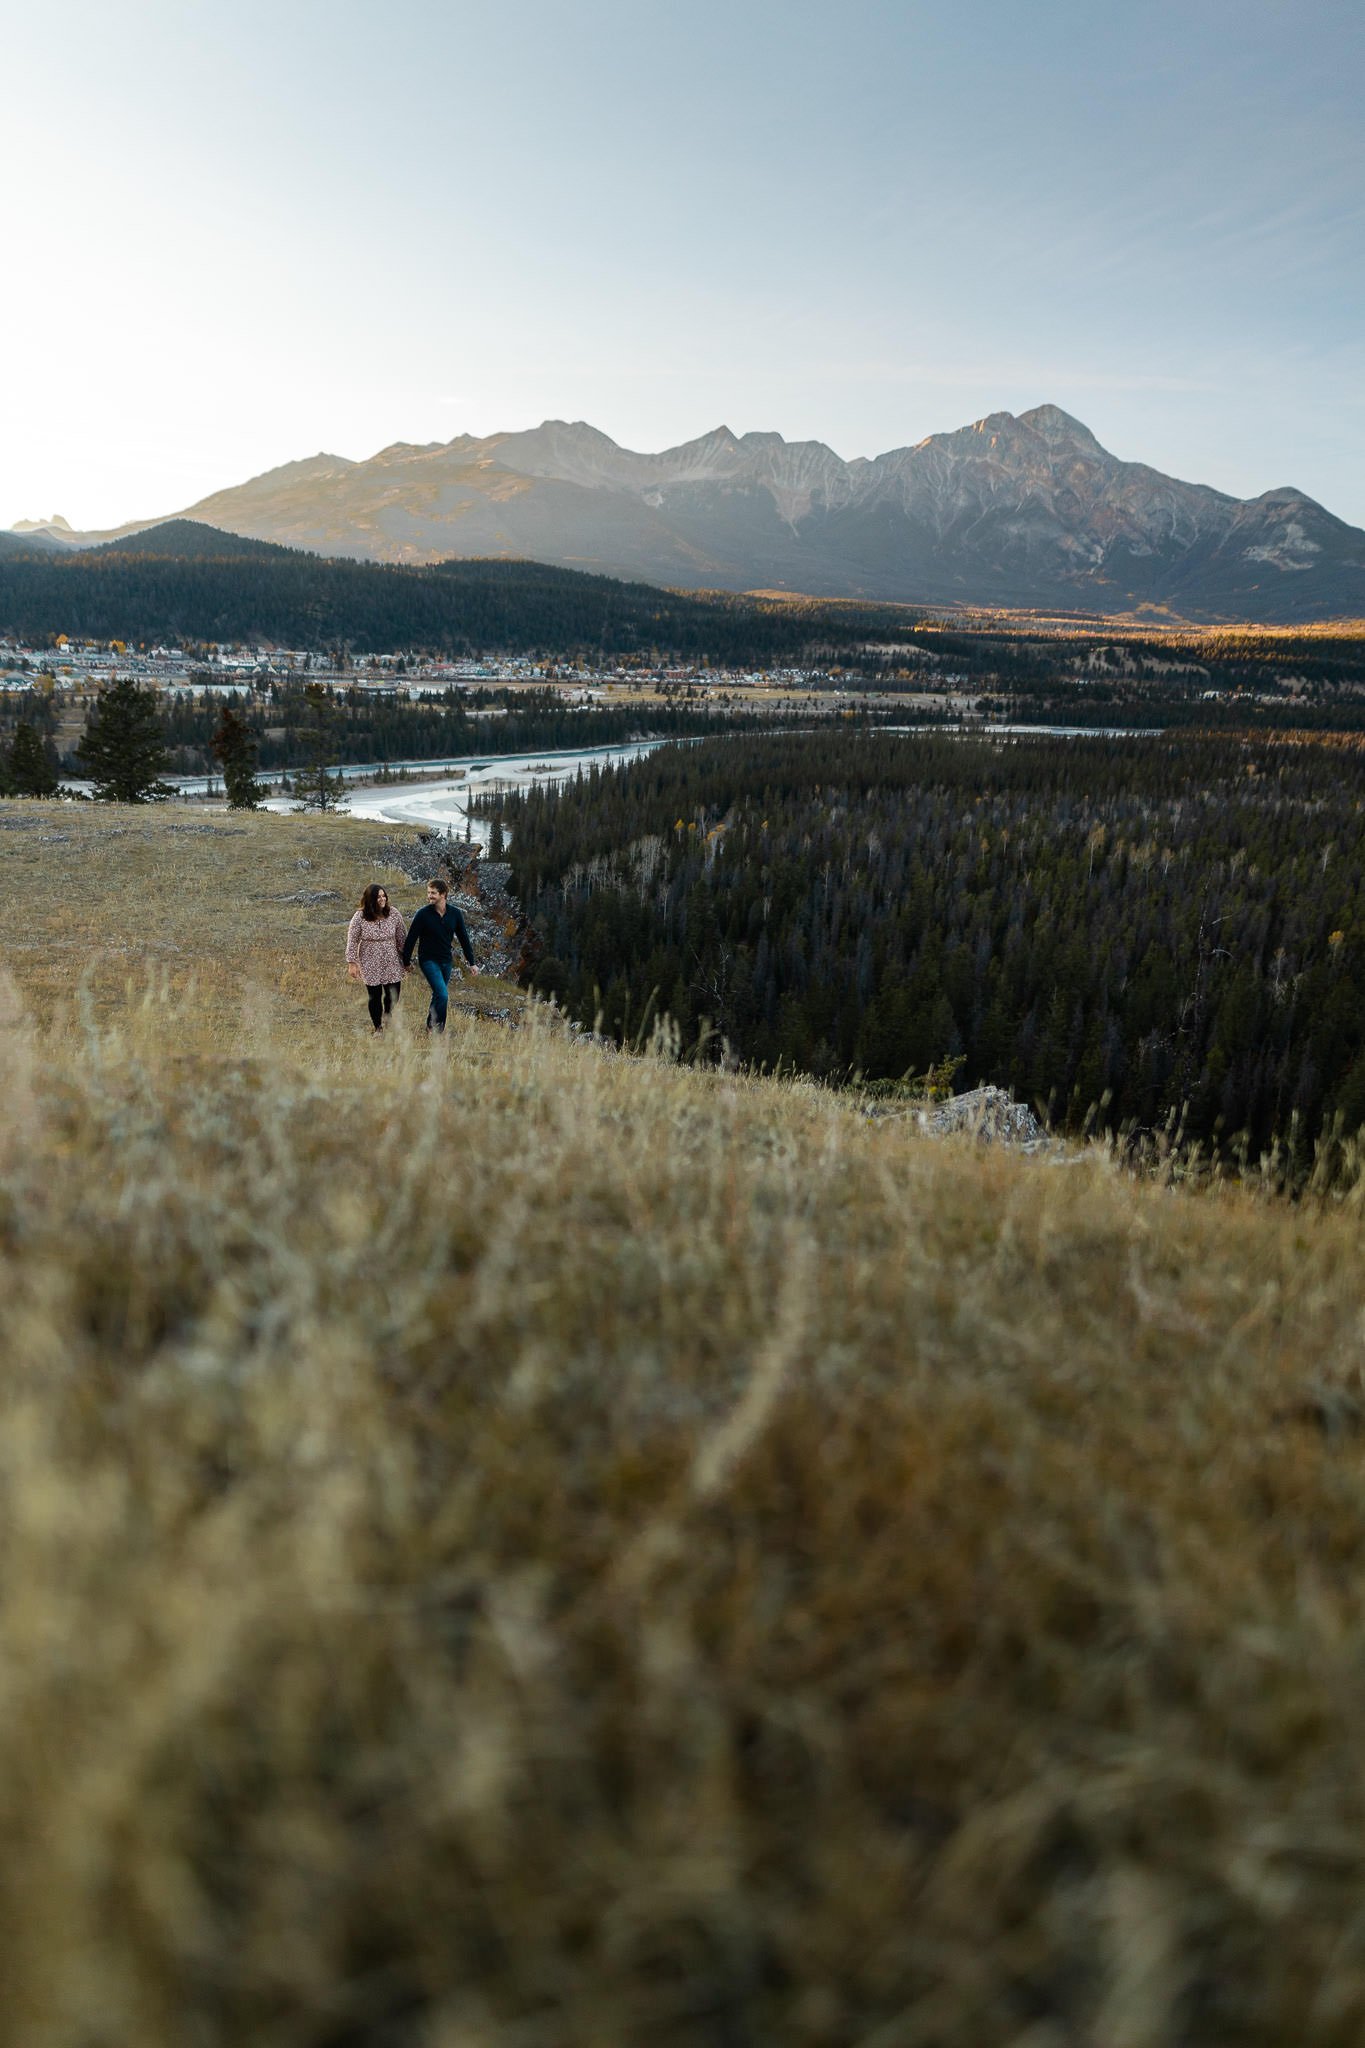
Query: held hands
[{"x": 353, "y": 970}]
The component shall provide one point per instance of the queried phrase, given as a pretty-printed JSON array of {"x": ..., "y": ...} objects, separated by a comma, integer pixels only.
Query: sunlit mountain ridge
[{"x": 1020, "y": 510}]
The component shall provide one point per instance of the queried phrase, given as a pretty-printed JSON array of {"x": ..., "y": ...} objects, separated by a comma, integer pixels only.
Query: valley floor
[{"x": 507, "y": 1544}]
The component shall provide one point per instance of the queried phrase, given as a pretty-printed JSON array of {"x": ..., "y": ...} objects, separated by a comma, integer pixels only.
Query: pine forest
[{"x": 1148, "y": 934}]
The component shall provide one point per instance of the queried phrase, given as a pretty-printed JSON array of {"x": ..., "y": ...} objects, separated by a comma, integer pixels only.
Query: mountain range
[{"x": 1024, "y": 510}]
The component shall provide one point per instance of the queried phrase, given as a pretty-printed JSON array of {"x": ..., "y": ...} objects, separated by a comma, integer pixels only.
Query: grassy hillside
[{"x": 505, "y": 1544}]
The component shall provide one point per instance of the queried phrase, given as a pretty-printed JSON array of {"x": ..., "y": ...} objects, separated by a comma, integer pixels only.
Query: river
[
  {"x": 440, "y": 800},
  {"x": 444, "y": 804}
]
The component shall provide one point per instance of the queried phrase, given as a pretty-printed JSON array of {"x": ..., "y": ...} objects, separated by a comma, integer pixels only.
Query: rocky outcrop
[
  {"x": 505, "y": 944},
  {"x": 990, "y": 1114}
]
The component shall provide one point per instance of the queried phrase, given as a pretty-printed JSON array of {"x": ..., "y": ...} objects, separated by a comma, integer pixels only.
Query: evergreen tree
[
  {"x": 123, "y": 749},
  {"x": 319, "y": 785},
  {"x": 235, "y": 748},
  {"x": 32, "y": 770}
]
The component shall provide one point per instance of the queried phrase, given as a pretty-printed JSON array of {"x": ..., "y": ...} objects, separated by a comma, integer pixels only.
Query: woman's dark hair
[{"x": 369, "y": 903}]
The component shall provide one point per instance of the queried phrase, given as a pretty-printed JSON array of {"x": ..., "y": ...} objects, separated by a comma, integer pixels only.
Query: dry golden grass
[{"x": 505, "y": 1545}]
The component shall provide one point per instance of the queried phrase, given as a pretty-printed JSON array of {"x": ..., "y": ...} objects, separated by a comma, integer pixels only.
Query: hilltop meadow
[{"x": 508, "y": 1544}]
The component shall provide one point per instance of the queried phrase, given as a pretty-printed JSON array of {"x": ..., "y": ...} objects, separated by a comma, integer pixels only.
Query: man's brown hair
[{"x": 440, "y": 885}]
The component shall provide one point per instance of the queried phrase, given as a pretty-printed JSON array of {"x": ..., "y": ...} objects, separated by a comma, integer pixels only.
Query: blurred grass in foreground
[{"x": 503, "y": 1545}]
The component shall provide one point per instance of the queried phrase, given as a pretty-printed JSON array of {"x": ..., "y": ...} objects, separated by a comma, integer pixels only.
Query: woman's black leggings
[{"x": 383, "y": 996}]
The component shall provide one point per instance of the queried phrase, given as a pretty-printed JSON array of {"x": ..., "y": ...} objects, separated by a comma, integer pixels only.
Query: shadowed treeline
[{"x": 1141, "y": 931}]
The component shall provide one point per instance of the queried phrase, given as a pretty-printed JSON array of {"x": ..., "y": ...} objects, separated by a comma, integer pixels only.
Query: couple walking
[{"x": 379, "y": 948}]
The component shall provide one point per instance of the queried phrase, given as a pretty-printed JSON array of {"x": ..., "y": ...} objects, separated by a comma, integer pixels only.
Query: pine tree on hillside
[
  {"x": 234, "y": 746},
  {"x": 32, "y": 770},
  {"x": 318, "y": 784},
  {"x": 123, "y": 749}
]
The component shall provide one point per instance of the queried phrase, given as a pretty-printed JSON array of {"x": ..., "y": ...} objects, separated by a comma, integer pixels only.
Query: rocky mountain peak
[
  {"x": 310, "y": 468},
  {"x": 580, "y": 431},
  {"x": 1059, "y": 429}
]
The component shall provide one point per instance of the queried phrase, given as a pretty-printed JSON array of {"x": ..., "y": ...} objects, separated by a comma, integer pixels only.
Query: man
[{"x": 431, "y": 932}]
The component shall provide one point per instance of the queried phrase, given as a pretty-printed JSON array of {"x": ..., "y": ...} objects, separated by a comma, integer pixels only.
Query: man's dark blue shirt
[{"x": 432, "y": 932}]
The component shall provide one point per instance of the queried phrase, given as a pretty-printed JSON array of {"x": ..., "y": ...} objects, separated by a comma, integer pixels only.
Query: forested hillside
[
  {"x": 1135, "y": 929},
  {"x": 186, "y": 583}
]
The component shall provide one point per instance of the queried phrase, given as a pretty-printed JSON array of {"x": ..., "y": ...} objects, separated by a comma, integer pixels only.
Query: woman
[{"x": 372, "y": 940}]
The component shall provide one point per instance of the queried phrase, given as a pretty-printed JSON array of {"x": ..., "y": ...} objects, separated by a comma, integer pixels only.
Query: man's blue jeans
[{"x": 439, "y": 978}]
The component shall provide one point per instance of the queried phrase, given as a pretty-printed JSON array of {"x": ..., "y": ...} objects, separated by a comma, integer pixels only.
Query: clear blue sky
[{"x": 239, "y": 233}]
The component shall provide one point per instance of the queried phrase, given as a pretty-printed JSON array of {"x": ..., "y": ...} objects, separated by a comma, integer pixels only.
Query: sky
[{"x": 241, "y": 233}]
